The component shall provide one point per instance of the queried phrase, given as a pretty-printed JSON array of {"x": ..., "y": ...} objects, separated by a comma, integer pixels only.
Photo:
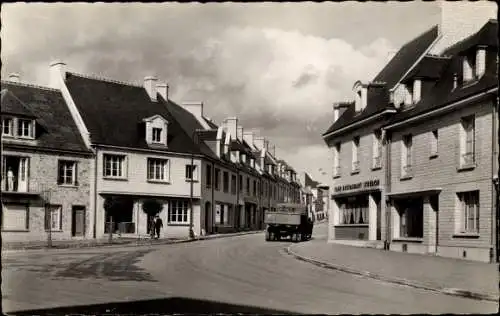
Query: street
[{"x": 235, "y": 274}]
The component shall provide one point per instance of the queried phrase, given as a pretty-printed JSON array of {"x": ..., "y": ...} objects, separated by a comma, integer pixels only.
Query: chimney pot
[{"x": 162, "y": 89}]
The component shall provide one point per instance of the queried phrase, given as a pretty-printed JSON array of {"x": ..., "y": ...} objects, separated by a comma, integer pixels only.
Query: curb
[
  {"x": 411, "y": 283},
  {"x": 128, "y": 244}
]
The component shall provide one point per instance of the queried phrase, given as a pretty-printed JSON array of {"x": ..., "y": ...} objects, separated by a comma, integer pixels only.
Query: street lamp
[{"x": 191, "y": 215}]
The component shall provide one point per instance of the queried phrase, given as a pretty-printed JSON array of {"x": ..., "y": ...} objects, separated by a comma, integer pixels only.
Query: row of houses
[
  {"x": 316, "y": 197},
  {"x": 415, "y": 155},
  {"x": 68, "y": 148}
]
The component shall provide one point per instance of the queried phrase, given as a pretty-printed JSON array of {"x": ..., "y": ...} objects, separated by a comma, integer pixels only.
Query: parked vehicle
[{"x": 289, "y": 220}]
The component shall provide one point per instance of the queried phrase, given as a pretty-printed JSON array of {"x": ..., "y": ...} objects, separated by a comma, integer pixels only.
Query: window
[
  {"x": 469, "y": 211},
  {"x": 222, "y": 213},
  {"x": 408, "y": 95},
  {"x": 467, "y": 142},
  {"x": 156, "y": 135},
  {"x": 248, "y": 185},
  {"x": 179, "y": 211},
  {"x": 241, "y": 183},
  {"x": 209, "y": 177},
  {"x": 355, "y": 158},
  {"x": 7, "y": 126},
  {"x": 217, "y": 179},
  {"x": 411, "y": 219},
  {"x": 225, "y": 181},
  {"x": 114, "y": 166},
  {"x": 354, "y": 210},
  {"x": 336, "y": 160},
  {"x": 233, "y": 184},
  {"x": 53, "y": 217},
  {"x": 191, "y": 172},
  {"x": 158, "y": 169},
  {"x": 15, "y": 217},
  {"x": 434, "y": 143},
  {"x": 406, "y": 156},
  {"x": 254, "y": 188},
  {"x": 67, "y": 173},
  {"x": 25, "y": 128},
  {"x": 377, "y": 149}
]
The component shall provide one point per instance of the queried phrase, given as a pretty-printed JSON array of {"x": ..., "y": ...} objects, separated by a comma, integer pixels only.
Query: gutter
[
  {"x": 95, "y": 193},
  {"x": 356, "y": 124},
  {"x": 440, "y": 110}
]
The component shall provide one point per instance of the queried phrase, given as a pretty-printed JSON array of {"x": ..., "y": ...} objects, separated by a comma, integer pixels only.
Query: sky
[{"x": 278, "y": 67}]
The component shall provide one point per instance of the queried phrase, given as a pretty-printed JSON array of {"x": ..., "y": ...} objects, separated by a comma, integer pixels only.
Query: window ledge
[
  {"x": 408, "y": 239},
  {"x": 433, "y": 156},
  {"x": 158, "y": 181},
  {"x": 16, "y": 230},
  {"x": 352, "y": 225},
  {"x": 376, "y": 168},
  {"x": 54, "y": 230},
  {"x": 406, "y": 177},
  {"x": 336, "y": 176},
  {"x": 466, "y": 167},
  {"x": 178, "y": 224},
  {"x": 189, "y": 180},
  {"x": 466, "y": 235},
  {"x": 115, "y": 178},
  {"x": 353, "y": 172},
  {"x": 69, "y": 186}
]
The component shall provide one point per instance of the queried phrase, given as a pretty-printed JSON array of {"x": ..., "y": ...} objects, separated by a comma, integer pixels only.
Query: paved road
[{"x": 224, "y": 275}]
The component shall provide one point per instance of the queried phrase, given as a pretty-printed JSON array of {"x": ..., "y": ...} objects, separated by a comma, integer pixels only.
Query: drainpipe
[
  {"x": 494, "y": 198},
  {"x": 95, "y": 192},
  {"x": 437, "y": 227},
  {"x": 213, "y": 197},
  {"x": 388, "y": 208}
]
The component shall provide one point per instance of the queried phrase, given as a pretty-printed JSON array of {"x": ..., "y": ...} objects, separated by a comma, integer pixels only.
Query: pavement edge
[{"x": 410, "y": 283}]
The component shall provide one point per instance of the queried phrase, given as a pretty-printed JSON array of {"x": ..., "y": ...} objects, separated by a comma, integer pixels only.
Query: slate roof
[
  {"x": 443, "y": 93},
  {"x": 430, "y": 67},
  {"x": 210, "y": 123},
  {"x": 113, "y": 113},
  {"x": 309, "y": 182},
  {"x": 55, "y": 128},
  {"x": 378, "y": 95}
]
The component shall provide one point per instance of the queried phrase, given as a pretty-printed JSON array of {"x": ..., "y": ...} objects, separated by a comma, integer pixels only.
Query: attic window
[
  {"x": 25, "y": 128},
  {"x": 474, "y": 64},
  {"x": 156, "y": 135}
]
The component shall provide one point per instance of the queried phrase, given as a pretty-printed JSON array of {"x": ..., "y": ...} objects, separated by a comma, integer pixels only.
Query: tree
[
  {"x": 151, "y": 207},
  {"x": 113, "y": 205}
]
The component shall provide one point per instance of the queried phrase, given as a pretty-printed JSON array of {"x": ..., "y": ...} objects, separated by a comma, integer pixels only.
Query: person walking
[{"x": 158, "y": 224}]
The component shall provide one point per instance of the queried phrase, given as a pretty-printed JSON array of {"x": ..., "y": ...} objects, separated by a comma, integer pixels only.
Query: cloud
[{"x": 281, "y": 81}]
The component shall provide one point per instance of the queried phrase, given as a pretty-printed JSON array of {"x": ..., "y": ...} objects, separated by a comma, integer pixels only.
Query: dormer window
[
  {"x": 360, "y": 100},
  {"x": 156, "y": 134},
  {"x": 156, "y": 130},
  {"x": 417, "y": 90},
  {"x": 25, "y": 128},
  {"x": 7, "y": 126},
  {"x": 474, "y": 64},
  {"x": 408, "y": 101}
]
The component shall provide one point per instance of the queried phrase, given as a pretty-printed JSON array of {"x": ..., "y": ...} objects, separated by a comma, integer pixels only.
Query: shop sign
[{"x": 356, "y": 186}]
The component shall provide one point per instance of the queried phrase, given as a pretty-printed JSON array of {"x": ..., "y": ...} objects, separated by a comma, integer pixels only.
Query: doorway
[
  {"x": 208, "y": 212},
  {"x": 77, "y": 221}
]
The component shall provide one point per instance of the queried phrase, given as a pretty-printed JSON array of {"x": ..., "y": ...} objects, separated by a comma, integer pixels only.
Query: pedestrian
[{"x": 158, "y": 225}]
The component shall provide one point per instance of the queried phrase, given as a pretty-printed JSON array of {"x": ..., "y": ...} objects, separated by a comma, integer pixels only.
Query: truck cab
[{"x": 288, "y": 221}]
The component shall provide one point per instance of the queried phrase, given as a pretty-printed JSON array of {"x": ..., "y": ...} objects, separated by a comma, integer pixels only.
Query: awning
[{"x": 415, "y": 193}]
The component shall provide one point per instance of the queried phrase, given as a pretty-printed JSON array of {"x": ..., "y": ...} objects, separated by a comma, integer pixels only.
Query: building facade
[
  {"x": 406, "y": 151},
  {"x": 46, "y": 167}
]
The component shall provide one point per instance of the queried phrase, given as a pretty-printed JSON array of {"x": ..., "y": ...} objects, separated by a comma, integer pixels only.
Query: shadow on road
[{"x": 168, "y": 305}]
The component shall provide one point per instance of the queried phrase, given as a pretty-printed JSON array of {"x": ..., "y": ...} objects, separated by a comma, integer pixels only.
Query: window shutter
[{"x": 76, "y": 172}]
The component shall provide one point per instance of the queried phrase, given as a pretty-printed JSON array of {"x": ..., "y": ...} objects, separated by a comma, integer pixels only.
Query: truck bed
[{"x": 282, "y": 218}]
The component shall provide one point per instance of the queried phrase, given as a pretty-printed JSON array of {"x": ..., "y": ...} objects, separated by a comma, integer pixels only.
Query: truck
[{"x": 288, "y": 220}]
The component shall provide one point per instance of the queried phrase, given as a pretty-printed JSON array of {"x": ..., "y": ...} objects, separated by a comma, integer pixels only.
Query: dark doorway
[
  {"x": 377, "y": 198},
  {"x": 208, "y": 212},
  {"x": 77, "y": 221}
]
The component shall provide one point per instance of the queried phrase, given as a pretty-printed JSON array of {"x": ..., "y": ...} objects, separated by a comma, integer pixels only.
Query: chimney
[
  {"x": 239, "y": 133},
  {"x": 57, "y": 74},
  {"x": 460, "y": 19},
  {"x": 162, "y": 89},
  {"x": 14, "y": 77},
  {"x": 195, "y": 108},
  {"x": 150, "y": 86},
  {"x": 232, "y": 126},
  {"x": 248, "y": 137},
  {"x": 259, "y": 143}
]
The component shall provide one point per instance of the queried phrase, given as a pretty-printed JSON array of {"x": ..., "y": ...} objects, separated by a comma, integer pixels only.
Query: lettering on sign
[{"x": 357, "y": 186}]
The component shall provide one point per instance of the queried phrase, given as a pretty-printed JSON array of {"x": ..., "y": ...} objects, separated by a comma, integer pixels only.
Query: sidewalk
[
  {"x": 445, "y": 275},
  {"x": 116, "y": 242}
]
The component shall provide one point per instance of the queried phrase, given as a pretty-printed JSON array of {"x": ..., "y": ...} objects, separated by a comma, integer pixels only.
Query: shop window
[{"x": 354, "y": 210}]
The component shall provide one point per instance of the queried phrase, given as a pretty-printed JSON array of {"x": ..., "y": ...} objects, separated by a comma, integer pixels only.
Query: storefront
[{"x": 357, "y": 211}]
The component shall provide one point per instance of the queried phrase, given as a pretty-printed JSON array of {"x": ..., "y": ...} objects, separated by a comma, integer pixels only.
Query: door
[
  {"x": 23, "y": 175},
  {"x": 78, "y": 221},
  {"x": 208, "y": 212}
]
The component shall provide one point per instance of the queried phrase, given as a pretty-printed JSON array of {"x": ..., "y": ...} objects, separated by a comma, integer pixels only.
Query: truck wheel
[{"x": 272, "y": 236}]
